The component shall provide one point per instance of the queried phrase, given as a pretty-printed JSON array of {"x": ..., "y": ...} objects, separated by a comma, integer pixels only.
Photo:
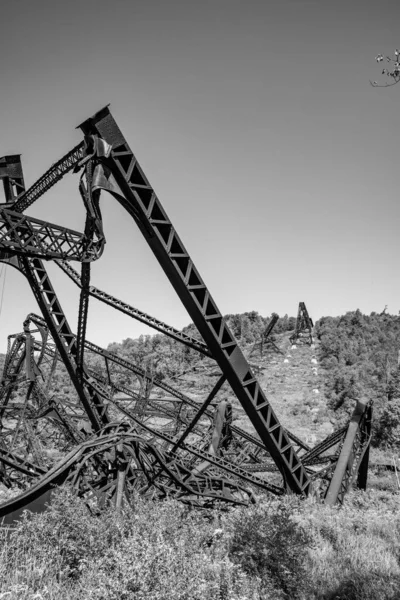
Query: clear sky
[{"x": 255, "y": 123}]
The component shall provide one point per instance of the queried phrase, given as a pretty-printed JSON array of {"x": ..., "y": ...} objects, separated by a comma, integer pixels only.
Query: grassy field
[{"x": 277, "y": 549}]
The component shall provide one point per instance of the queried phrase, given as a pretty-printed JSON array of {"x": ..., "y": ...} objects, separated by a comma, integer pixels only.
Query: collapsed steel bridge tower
[
  {"x": 304, "y": 325},
  {"x": 117, "y": 449}
]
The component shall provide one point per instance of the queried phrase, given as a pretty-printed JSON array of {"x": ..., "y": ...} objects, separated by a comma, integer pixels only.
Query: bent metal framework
[{"x": 148, "y": 438}]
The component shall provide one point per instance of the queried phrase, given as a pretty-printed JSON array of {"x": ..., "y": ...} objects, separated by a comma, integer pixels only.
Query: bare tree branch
[
  {"x": 376, "y": 84},
  {"x": 394, "y": 74}
]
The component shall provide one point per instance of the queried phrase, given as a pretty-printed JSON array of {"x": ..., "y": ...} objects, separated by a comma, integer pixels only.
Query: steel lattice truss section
[
  {"x": 22, "y": 235},
  {"x": 25, "y": 198},
  {"x": 167, "y": 456}
]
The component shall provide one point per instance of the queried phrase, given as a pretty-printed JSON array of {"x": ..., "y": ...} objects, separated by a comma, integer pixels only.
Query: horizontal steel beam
[{"x": 26, "y": 236}]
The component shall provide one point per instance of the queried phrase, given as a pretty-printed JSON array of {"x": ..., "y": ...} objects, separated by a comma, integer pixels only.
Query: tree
[{"x": 393, "y": 72}]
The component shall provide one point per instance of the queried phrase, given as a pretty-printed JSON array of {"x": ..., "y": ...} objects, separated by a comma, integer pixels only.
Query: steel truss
[
  {"x": 304, "y": 326},
  {"x": 162, "y": 446}
]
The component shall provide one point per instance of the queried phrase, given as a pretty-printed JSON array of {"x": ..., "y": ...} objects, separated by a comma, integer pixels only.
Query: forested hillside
[
  {"x": 359, "y": 355},
  {"x": 168, "y": 358}
]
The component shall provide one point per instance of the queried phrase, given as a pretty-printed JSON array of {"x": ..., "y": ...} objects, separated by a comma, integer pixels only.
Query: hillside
[
  {"x": 313, "y": 390},
  {"x": 291, "y": 381}
]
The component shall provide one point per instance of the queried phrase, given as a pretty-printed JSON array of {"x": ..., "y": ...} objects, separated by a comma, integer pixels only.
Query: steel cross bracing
[
  {"x": 141, "y": 202},
  {"x": 179, "y": 336},
  {"x": 324, "y": 445}
]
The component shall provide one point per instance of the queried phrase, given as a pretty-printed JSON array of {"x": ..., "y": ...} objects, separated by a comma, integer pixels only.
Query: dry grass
[{"x": 357, "y": 547}]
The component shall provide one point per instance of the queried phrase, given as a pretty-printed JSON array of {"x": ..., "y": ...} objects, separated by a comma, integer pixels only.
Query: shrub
[
  {"x": 279, "y": 549},
  {"x": 271, "y": 545},
  {"x": 387, "y": 427},
  {"x": 151, "y": 551}
]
